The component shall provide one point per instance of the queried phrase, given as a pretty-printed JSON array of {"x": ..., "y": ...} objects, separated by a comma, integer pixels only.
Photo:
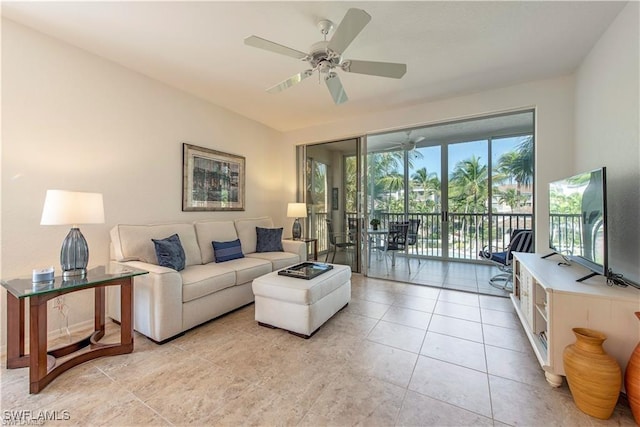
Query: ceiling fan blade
[
  {"x": 352, "y": 23},
  {"x": 382, "y": 69},
  {"x": 261, "y": 43},
  {"x": 335, "y": 88},
  {"x": 290, "y": 81}
]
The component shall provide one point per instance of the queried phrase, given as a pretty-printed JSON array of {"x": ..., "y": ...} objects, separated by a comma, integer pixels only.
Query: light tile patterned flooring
[{"x": 398, "y": 354}]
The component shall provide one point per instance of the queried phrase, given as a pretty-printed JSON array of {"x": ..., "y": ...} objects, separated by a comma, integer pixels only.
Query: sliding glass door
[
  {"x": 469, "y": 184},
  {"x": 331, "y": 181}
]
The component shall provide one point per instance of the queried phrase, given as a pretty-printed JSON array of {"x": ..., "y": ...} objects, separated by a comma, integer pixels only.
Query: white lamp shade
[
  {"x": 72, "y": 207},
  {"x": 297, "y": 210}
]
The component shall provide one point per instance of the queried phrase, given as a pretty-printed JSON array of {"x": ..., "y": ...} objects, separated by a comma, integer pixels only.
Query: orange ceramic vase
[
  {"x": 632, "y": 380},
  {"x": 594, "y": 377}
]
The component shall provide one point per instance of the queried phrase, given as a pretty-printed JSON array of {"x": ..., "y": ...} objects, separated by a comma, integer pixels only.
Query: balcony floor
[{"x": 458, "y": 275}]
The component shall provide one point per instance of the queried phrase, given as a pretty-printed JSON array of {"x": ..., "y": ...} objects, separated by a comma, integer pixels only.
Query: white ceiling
[{"x": 450, "y": 48}]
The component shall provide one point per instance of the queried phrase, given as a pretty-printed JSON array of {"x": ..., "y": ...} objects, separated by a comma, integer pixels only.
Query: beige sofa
[{"x": 168, "y": 302}]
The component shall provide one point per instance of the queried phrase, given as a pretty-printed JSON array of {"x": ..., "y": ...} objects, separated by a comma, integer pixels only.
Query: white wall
[
  {"x": 607, "y": 129},
  {"x": 552, "y": 99},
  {"x": 72, "y": 120}
]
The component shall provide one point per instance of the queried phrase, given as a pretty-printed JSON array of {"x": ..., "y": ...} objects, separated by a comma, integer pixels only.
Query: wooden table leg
[
  {"x": 37, "y": 343},
  {"x": 126, "y": 313},
  {"x": 16, "y": 357},
  {"x": 99, "y": 312}
]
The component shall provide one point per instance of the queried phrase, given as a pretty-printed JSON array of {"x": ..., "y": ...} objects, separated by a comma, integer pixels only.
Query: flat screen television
[{"x": 578, "y": 220}]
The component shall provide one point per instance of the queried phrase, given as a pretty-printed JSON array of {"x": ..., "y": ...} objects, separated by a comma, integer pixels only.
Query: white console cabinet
[{"x": 550, "y": 303}]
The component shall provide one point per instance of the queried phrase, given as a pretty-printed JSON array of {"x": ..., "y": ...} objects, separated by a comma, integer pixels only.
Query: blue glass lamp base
[
  {"x": 74, "y": 255},
  {"x": 296, "y": 231}
]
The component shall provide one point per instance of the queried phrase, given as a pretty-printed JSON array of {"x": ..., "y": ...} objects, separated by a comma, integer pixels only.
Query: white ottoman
[{"x": 301, "y": 306}]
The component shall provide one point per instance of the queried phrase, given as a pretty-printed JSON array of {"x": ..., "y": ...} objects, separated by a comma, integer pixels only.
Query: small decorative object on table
[
  {"x": 375, "y": 222},
  {"x": 42, "y": 275},
  {"x": 632, "y": 380},
  {"x": 306, "y": 270},
  {"x": 594, "y": 377}
]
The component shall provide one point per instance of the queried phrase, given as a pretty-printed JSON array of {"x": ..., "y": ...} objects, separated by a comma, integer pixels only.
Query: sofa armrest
[
  {"x": 157, "y": 300},
  {"x": 296, "y": 247}
]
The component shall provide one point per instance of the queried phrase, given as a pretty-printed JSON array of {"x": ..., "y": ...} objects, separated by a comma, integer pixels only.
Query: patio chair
[
  {"x": 396, "y": 242},
  {"x": 412, "y": 234},
  {"x": 521, "y": 241},
  {"x": 337, "y": 240},
  {"x": 354, "y": 228}
]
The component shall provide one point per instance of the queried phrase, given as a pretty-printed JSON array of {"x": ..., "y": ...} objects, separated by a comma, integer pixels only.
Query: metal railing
[
  {"x": 566, "y": 233},
  {"x": 468, "y": 233}
]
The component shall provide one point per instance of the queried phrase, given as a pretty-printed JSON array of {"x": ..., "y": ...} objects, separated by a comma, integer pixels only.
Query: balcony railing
[
  {"x": 467, "y": 235},
  {"x": 566, "y": 233}
]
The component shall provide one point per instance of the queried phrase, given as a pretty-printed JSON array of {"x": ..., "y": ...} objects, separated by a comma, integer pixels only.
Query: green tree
[
  {"x": 517, "y": 165},
  {"x": 468, "y": 192},
  {"x": 429, "y": 183},
  {"x": 468, "y": 185},
  {"x": 509, "y": 197}
]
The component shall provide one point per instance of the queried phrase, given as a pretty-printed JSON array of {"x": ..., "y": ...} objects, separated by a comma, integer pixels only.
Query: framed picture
[
  {"x": 211, "y": 180},
  {"x": 334, "y": 199}
]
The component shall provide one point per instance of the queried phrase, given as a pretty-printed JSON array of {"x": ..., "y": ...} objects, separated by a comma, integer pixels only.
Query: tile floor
[{"x": 398, "y": 354}]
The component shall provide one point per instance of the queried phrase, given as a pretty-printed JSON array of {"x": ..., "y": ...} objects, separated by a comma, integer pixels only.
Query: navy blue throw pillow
[
  {"x": 169, "y": 252},
  {"x": 226, "y": 251},
  {"x": 269, "y": 240}
]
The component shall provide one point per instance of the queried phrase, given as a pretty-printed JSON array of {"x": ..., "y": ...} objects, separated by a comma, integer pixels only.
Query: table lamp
[
  {"x": 297, "y": 211},
  {"x": 73, "y": 208}
]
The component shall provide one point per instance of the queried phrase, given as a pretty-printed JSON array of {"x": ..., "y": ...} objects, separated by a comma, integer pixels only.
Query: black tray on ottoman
[{"x": 306, "y": 270}]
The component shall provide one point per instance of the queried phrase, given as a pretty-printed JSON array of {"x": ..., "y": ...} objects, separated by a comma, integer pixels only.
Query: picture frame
[
  {"x": 212, "y": 180},
  {"x": 334, "y": 199}
]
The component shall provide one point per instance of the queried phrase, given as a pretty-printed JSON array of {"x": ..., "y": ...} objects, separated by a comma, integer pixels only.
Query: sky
[{"x": 457, "y": 152}]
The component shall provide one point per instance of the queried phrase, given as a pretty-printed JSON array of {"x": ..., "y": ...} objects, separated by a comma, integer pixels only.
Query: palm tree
[
  {"x": 468, "y": 189},
  {"x": 350, "y": 182},
  {"x": 392, "y": 183},
  {"x": 509, "y": 197},
  {"x": 518, "y": 165},
  {"x": 468, "y": 184},
  {"x": 428, "y": 182}
]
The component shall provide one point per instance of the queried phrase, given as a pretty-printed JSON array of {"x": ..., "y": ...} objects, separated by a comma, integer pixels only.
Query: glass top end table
[
  {"x": 41, "y": 362},
  {"x": 24, "y": 288}
]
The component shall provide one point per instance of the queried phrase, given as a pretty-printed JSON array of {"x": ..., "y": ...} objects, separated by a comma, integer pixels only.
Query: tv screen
[{"x": 578, "y": 219}]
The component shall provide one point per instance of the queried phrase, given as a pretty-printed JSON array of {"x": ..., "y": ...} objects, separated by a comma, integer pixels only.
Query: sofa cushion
[
  {"x": 201, "y": 280},
  {"x": 209, "y": 231},
  {"x": 269, "y": 239},
  {"x": 169, "y": 252},
  {"x": 226, "y": 251},
  {"x": 278, "y": 260},
  {"x": 246, "y": 229},
  {"x": 248, "y": 269},
  {"x": 133, "y": 242}
]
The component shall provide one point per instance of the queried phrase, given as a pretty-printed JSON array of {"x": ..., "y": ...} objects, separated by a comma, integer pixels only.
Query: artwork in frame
[
  {"x": 212, "y": 180},
  {"x": 334, "y": 199}
]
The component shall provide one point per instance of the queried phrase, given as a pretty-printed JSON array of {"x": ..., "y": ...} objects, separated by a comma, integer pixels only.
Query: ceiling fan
[
  {"x": 407, "y": 144},
  {"x": 326, "y": 56}
]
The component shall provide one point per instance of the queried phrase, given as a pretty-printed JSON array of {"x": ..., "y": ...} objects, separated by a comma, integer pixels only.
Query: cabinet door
[{"x": 526, "y": 296}]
